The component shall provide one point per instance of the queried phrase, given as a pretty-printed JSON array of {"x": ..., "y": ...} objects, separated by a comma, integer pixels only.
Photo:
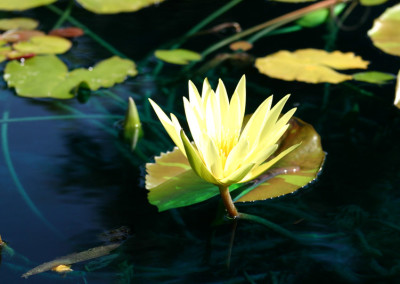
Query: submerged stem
[{"x": 227, "y": 200}]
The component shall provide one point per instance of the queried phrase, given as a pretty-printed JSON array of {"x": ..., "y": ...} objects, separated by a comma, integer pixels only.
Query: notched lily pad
[
  {"x": 172, "y": 183},
  {"x": 18, "y": 23},
  {"x": 20, "y": 5},
  {"x": 48, "y": 77},
  {"x": 294, "y": 171},
  {"x": 177, "y": 56},
  {"x": 116, "y": 6},
  {"x": 44, "y": 45},
  {"x": 310, "y": 65},
  {"x": 385, "y": 33}
]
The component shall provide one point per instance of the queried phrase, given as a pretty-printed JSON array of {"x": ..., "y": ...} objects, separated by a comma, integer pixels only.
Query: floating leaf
[
  {"x": 116, "y": 6},
  {"x": 301, "y": 166},
  {"x": 67, "y": 32},
  {"x": 20, "y": 35},
  {"x": 177, "y": 56},
  {"x": 20, "y": 5},
  {"x": 372, "y": 2},
  {"x": 309, "y": 65},
  {"x": 241, "y": 45},
  {"x": 47, "y": 76},
  {"x": 172, "y": 183},
  {"x": 294, "y": 1},
  {"x": 18, "y": 23},
  {"x": 373, "y": 77},
  {"x": 318, "y": 17},
  {"x": 385, "y": 33},
  {"x": 397, "y": 96},
  {"x": 44, "y": 45}
]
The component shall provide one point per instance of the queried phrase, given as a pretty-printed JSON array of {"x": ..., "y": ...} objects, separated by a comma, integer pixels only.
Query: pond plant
[{"x": 230, "y": 166}]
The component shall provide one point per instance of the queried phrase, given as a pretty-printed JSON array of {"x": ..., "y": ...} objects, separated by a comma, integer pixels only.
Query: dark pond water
[{"x": 66, "y": 178}]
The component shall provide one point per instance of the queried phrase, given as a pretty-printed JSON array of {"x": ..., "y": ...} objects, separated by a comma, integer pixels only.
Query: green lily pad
[
  {"x": 373, "y": 77},
  {"x": 294, "y": 171},
  {"x": 385, "y": 33},
  {"x": 172, "y": 183},
  {"x": 116, "y": 6},
  {"x": 48, "y": 77},
  {"x": 372, "y": 2},
  {"x": 177, "y": 56},
  {"x": 318, "y": 17},
  {"x": 18, "y": 23},
  {"x": 44, "y": 45},
  {"x": 20, "y": 5}
]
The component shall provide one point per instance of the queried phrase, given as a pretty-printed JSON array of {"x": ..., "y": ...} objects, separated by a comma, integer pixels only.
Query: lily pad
[
  {"x": 18, "y": 23},
  {"x": 397, "y": 96},
  {"x": 294, "y": 1},
  {"x": 177, "y": 56},
  {"x": 20, "y": 5},
  {"x": 373, "y": 77},
  {"x": 294, "y": 171},
  {"x": 20, "y": 35},
  {"x": 372, "y": 2},
  {"x": 67, "y": 32},
  {"x": 318, "y": 17},
  {"x": 172, "y": 183},
  {"x": 310, "y": 65},
  {"x": 116, "y": 6},
  {"x": 44, "y": 45},
  {"x": 385, "y": 33},
  {"x": 48, "y": 77}
]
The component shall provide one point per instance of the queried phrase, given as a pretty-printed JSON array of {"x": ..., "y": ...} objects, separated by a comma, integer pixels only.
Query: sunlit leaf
[
  {"x": 4, "y": 51},
  {"x": 372, "y": 2},
  {"x": 302, "y": 165},
  {"x": 44, "y": 45},
  {"x": 177, "y": 56},
  {"x": 373, "y": 77},
  {"x": 385, "y": 33},
  {"x": 62, "y": 262},
  {"x": 20, "y": 5},
  {"x": 48, "y": 77},
  {"x": 20, "y": 35},
  {"x": 318, "y": 17},
  {"x": 241, "y": 45},
  {"x": 397, "y": 95},
  {"x": 15, "y": 55},
  {"x": 67, "y": 32},
  {"x": 309, "y": 65},
  {"x": 116, "y": 6},
  {"x": 18, "y": 23}
]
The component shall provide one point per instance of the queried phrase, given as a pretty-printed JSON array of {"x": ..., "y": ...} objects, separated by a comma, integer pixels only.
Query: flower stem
[{"x": 227, "y": 200}]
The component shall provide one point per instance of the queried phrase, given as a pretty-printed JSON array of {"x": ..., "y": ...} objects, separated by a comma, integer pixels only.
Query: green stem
[
  {"x": 267, "y": 32},
  {"x": 87, "y": 31},
  {"x": 64, "y": 16},
  {"x": 227, "y": 200}
]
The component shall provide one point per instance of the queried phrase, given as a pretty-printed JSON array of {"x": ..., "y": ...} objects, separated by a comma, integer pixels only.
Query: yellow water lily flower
[{"x": 223, "y": 152}]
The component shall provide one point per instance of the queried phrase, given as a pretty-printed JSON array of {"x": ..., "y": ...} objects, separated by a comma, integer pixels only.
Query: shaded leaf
[
  {"x": 318, "y": 17},
  {"x": 48, "y": 76},
  {"x": 20, "y": 5},
  {"x": 397, "y": 95},
  {"x": 116, "y": 6},
  {"x": 177, "y": 56},
  {"x": 309, "y": 65},
  {"x": 372, "y": 2},
  {"x": 373, "y": 77},
  {"x": 302, "y": 165},
  {"x": 20, "y": 35},
  {"x": 18, "y": 23},
  {"x": 241, "y": 45},
  {"x": 67, "y": 32},
  {"x": 44, "y": 45},
  {"x": 385, "y": 33}
]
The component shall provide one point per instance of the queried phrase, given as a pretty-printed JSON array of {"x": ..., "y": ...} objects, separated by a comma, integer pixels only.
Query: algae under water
[{"x": 66, "y": 177}]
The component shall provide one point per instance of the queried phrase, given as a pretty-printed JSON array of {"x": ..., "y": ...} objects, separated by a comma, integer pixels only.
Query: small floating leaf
[
  {"x": 18, "y": 23},
  {"x": 20, "y": 5},
  {"x": 318, "y": 17},
  {"x": 44, "y": 45},
  {"x": 385, "y": 33},
  {"x": 116, "y": 6},
  {"x": 67, "y": 32},
  {"x": 372, "y": 2},
  {"x": 20, "y": 35},
  {"x": 309, "y": 65},
  {"x": 47, "y": 76},
  {"x": 241, "y": 45},
  {"x": 397, "y": 96},
  {"x": 308, "y": 157},
  {"x": 373, "y": 77},
  {"x": 177, "y": 56}
]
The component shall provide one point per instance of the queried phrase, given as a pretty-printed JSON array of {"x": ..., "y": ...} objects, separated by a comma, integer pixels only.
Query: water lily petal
[
  {"x": 196, "y": 162},
  {"x": 237, "y": 175},
  {"x": 173, "y": 128},
  {"x": 222, "y": 97},
  {"x": 234, "y": 159},
  {"x": 194, "y": 97},
  {"x": 211, "y": 157},
  {"x": 193, "y": 122}
]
